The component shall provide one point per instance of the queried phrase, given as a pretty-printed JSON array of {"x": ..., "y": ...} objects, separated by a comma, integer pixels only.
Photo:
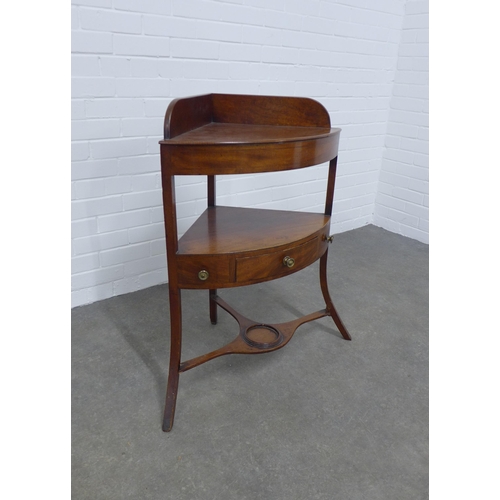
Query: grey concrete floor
[{"x": 322, "y": 418}]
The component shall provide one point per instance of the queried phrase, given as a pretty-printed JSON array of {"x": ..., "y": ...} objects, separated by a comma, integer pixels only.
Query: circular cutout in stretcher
[{"x": 262, "y": 336}]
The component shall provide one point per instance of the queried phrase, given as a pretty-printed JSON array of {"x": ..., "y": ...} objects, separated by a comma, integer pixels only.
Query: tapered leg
[
  {"x": 328, "y": 300},
  {"x": 213, "y": 307},
  {"x": 175, "y": 358}
]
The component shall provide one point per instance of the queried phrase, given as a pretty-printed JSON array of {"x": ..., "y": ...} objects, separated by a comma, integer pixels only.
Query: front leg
[
  {"x": 175, "y": 358},
  {"x": 326, "y": 295}
]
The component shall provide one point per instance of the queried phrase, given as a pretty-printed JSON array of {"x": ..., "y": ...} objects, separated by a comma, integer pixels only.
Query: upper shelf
[
  {"x": 231, "y": 134},
  {"x": 236, "y": 133}
]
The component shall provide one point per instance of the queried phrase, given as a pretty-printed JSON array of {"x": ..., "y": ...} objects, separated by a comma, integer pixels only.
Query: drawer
[
  {"x": 216, "y": 270},
  {"x": 270, "y": 265}
]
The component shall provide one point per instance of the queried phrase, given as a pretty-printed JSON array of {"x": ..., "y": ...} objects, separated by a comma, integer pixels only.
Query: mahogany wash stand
[{"x": 218, "y": 134}]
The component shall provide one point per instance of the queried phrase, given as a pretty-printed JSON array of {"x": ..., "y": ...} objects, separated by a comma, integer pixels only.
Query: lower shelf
[{"x": 241, "y": 246}]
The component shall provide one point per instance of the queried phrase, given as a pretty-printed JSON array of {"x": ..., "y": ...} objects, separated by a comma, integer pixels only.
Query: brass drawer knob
[
  {"x": 288, "y": 261},
  {"x": 328, "y": 238},
  {"x": 203, "y": 275}
]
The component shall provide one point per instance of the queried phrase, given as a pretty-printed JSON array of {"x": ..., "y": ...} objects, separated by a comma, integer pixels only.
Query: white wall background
[
  {"x": 364, "y": 61},
  {"x": 402, "y": 201}
]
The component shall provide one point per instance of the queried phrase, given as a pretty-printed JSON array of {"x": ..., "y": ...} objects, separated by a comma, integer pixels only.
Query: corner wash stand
[{"x": 219, "y": 134}]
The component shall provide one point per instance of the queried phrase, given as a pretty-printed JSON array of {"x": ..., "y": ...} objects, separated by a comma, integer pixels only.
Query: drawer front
[
  {"x": 223, "y": 271},
  {"x": 270, "y": 266},
  {"x": 199, "y": 271}
]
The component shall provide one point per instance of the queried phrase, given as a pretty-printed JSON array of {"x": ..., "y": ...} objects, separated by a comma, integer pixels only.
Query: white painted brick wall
[
  {"x": 402, "y": 201},
  {"x": 132, "y": 57}
]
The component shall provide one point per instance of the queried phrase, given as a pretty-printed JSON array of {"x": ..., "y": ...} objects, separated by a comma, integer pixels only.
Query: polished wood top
[
  {"x": 216, "y": 134},
  {"x": 232, "y": 133},
  {"x": 225, "y": 230}
]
